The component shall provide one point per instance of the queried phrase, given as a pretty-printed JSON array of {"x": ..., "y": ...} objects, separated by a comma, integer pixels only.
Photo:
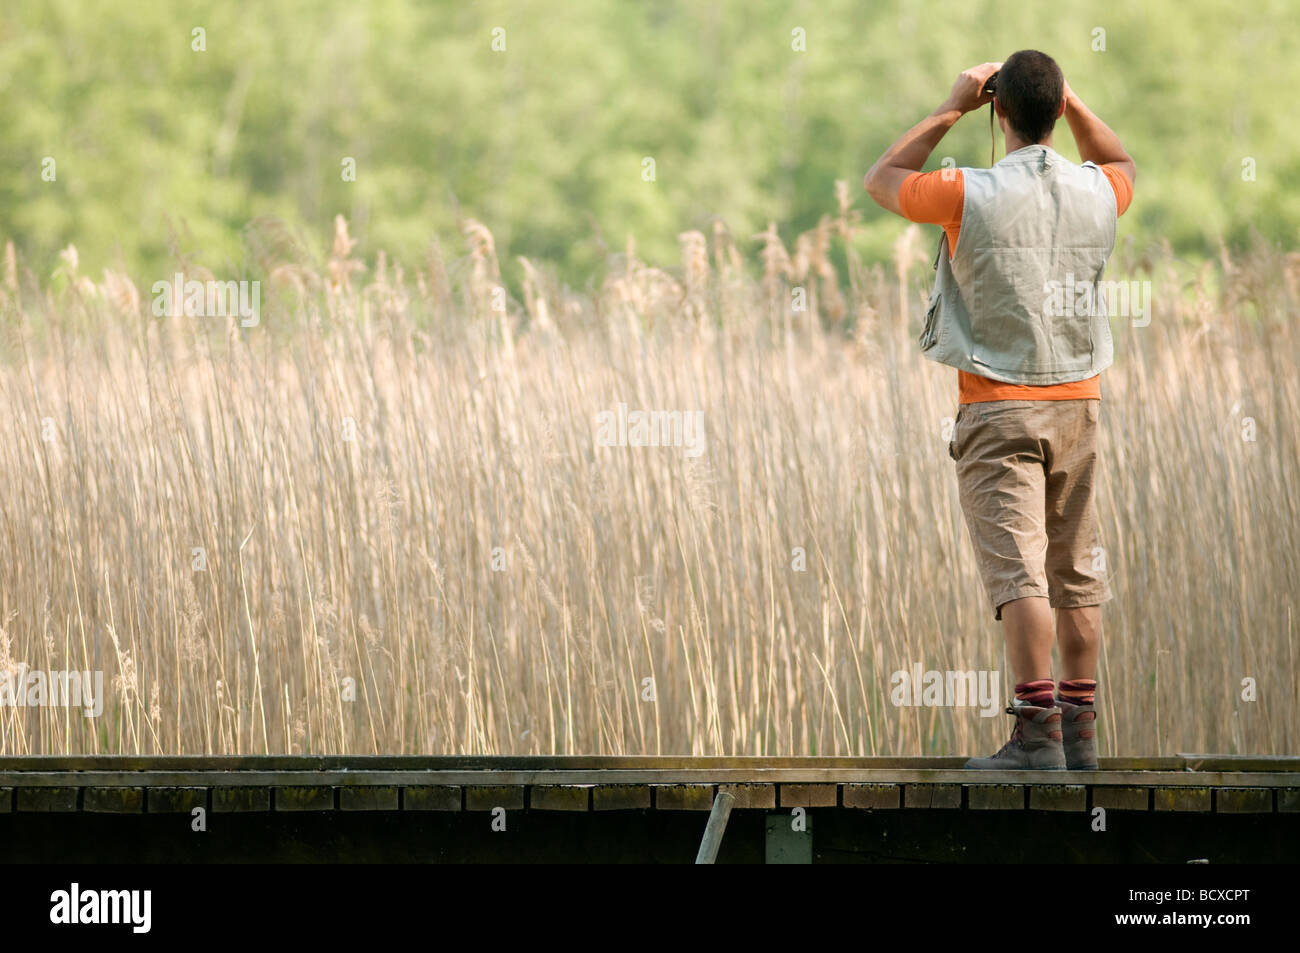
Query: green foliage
[{"x": 163, "y": 152}]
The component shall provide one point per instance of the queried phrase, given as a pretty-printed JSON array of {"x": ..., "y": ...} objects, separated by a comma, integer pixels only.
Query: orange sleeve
[
  {"x": 935, "y": 198},
  {"x": 1122, "y": 186}
]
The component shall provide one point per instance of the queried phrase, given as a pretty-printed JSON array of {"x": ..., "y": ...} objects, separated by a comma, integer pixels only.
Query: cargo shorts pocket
[{"x": 952, "y": 443}]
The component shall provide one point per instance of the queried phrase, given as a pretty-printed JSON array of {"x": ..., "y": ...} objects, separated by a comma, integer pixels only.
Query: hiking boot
[
  {"x": 1079, "y": 735},
  {"x": 1035, "y": 743}
]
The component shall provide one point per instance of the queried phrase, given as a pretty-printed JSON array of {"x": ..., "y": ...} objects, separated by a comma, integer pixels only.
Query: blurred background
[{"x": 163, "y": 151}]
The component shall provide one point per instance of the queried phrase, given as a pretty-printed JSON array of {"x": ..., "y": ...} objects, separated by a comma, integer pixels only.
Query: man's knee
[{"x": 1080, "y": 623}]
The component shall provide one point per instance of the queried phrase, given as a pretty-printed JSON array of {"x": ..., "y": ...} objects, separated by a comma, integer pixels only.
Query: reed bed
[{"x": 380, "y": 520}]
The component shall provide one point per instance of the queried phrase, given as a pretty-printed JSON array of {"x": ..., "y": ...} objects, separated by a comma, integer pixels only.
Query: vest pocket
[{"x": 930, "y": 326}]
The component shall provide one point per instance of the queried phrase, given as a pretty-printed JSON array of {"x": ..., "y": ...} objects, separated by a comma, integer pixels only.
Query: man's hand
[
  {"x": 968, "y": 92},
  {"x": 909, "y": 153}
]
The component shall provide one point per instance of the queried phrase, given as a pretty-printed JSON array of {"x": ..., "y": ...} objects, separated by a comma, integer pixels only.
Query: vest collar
[{"x": 1043, "y": 157}]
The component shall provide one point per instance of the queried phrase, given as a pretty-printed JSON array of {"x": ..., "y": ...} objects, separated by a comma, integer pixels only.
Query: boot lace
[{"x": 1017, "y": 734}]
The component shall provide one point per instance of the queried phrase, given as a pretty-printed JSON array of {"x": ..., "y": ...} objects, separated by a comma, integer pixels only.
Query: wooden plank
[
  {"x": 873, "y": 797},
  {"x": 1121, "y": 798},
  {"x": 995, "y": 797},
  {"x": 6, "y": 800},
  {"x": 520, "y": 779},
  {"x": 431, "y": 797},
  {"x": 1243, "y": 800},
  {"x": 1240, "y": 762},
  {"x": 48, "y": 800},
  {"x": 112, "y": 800},
  {"x": 304, "y": 797},
  {"x": 241, "y": 800},
  {"x": 175, "y": 800},
  {"x": 368, "y": 798},
  {"x": 683, "y": 797},
  {"x": 620, "y": 797},
  {"x": 751, "y": 795},
  {"x": 1142, "y": 763},
  {"x": 1181, "y": 799},
  {"x": 559, "y": 797},
  {"x": 423, "y": 763},
  {"x": 488, "y": 797},
  {"x": 809, "y": 795},
  {"x": 1058, "y": 797},
  {"x": 1288, "y": 800},
  {"x": 515, "y": 764},
  {"x": 934, "y": 796}
]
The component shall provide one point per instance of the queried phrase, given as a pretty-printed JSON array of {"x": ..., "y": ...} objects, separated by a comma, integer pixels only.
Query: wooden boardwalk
[{"x": 131, "y": 784}]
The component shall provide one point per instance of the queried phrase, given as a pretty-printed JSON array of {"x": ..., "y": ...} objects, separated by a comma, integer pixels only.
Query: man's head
[{"x": 1030, "y": 89}]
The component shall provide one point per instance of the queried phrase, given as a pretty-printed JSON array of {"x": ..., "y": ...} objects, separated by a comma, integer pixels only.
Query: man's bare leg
[
  {"x": 1078, "y": 632},
  {"x": 1036, "y": 740},
  {"x": 1028, "y": 626}
]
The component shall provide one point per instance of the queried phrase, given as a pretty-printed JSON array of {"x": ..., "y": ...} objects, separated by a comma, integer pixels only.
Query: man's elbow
[
  {"x": 1128, "y": 168},
  {"x": 871, "y": 182}
]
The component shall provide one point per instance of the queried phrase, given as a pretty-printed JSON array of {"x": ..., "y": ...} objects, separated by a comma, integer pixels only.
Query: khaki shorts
[{"x": 1025, "y": 474}]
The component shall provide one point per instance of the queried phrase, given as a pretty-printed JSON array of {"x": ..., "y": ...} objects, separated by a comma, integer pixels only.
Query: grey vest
[{"x": 1033, "y": 219}]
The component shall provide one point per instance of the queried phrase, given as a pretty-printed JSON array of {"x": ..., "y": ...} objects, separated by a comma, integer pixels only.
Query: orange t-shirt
[{"x": 937, "y": 198}]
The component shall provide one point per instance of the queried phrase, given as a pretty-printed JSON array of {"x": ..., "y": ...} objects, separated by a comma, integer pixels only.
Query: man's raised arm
[
  {"x": 1094, "y": 138},
  {"x": 909, "y": 153}
]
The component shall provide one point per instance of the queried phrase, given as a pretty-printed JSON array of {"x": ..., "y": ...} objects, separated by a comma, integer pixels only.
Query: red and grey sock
[
  {"x": 1077, "y": 691},
  {"x": 1037, "y": 693}
]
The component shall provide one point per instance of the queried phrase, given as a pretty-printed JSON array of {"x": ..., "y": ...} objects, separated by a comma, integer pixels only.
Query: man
[{"x": 1022, "y": 250}]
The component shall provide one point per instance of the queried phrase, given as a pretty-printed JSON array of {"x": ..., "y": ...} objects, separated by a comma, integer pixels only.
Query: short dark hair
[{"x": 1030, "y": 87}]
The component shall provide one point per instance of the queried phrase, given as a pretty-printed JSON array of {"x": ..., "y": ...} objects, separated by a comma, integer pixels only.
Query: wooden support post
[{"x": 714, "y": 829}]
